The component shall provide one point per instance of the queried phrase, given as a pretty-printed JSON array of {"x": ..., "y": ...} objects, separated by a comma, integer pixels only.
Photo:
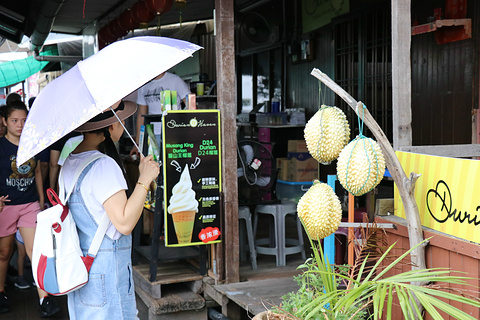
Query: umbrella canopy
[{"x": 94, "y": 84}]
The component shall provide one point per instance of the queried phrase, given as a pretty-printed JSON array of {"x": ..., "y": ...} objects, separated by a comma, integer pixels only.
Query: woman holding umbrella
[
  {"x": 109, "y": 293},
  {"x": 24, "y": 188}
]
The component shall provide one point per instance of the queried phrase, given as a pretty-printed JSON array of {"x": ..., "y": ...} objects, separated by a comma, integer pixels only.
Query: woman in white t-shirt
[{"x": 109, "y": 293}]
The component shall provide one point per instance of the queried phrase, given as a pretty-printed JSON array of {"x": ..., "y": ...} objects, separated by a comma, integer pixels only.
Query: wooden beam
[
  {"x": 226, "y": 100},
  {"x": 401, "y": 74},
  {"x": 454, "y": 150}
]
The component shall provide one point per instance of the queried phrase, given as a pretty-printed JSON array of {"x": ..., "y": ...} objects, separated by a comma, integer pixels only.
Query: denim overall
[{"x": 109, "y": 292}]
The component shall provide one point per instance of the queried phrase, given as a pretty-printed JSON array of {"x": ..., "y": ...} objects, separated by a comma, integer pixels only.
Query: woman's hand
[
  {"x": 3, "y": 199},
  {"x": 149, "y": 170}
]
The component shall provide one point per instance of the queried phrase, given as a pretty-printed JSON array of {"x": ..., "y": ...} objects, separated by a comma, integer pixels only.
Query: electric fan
[
  {"x": 255, "y": 27},
  {"x": 257, "y": 173}
]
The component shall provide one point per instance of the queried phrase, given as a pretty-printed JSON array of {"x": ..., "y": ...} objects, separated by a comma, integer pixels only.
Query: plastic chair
[
  {"x": 245, "y": 214},
  {"x": 280, "y": 250}
]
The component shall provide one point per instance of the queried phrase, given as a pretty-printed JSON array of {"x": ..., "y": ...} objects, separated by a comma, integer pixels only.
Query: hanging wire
[
  {"x": 244, "y": 167},
  {"x": 158, "y": 25},
  {"x": 360, "y": 122},
  {"x": 355, "y": 141},
  {"x": 322, "y": 108},
  {"x": 321, "y": 95}
]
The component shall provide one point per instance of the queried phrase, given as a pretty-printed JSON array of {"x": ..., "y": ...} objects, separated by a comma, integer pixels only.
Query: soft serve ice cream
[{"x": 183, "y": 207}]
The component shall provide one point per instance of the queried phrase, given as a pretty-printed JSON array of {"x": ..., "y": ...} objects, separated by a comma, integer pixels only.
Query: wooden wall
[
  {"x": 442, "y": 90},
  {"x": 445, "y": 85},
  {"x": 444, "y": 81},
  {"x": 443, "y": 251},
  {"x": 303, "y": 88}
]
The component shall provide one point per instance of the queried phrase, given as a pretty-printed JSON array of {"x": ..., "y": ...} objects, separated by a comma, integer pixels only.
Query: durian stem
[{"x": 405, "y": 185}]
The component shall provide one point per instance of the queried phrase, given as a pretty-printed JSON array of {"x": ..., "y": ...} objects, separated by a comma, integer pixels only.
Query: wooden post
[
  {"x": 351, "y": 233},
  {"x": 401, "y": 74},
  {"x": 228, "y": 251}
]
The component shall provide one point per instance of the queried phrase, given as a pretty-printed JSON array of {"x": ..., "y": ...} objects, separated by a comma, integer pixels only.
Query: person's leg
[
  {"x": 8, "y": 227},
  {"x": 6, "y": 248},
  {"x": 20, "y": 282},
  {"x": 28, "y": 234},
  {"x": 21, "y": 254}
]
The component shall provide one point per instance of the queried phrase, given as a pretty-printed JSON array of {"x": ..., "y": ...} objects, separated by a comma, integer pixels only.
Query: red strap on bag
[
  {"x": 54, "y": 200},
  {"x": 88, "y": 260}
]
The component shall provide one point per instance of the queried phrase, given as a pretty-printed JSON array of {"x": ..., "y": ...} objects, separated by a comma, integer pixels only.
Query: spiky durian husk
[
  {"x": 360, "y": 166},
  {"x": 327, "y": 133},
  {"x": 320, "y": 210}
]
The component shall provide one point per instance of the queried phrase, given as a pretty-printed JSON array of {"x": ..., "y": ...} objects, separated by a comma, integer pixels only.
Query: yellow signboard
[{"x": 447, "y": 193}]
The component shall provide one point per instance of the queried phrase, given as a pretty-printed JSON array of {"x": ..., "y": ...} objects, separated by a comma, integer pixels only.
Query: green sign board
[
  {"x": 318, "y": 13},
  {"x": 192, "y": 177}
]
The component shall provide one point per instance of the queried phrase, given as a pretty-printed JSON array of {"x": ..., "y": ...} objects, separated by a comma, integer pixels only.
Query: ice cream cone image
[
  {"x": 183, "y": 207},
  {"x": 183, "y": 223}
]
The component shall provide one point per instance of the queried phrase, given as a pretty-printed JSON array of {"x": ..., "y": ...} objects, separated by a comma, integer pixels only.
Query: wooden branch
[
  {"x": 413, "y": 179},
  {"x": 405, "y": 185}
]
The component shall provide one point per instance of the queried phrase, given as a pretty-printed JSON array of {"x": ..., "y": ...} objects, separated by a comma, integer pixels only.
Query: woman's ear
[{"x": 112, "y": 127}]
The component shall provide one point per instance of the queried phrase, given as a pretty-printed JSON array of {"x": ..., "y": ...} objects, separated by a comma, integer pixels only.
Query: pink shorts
[{"x": 16, "y": 216}]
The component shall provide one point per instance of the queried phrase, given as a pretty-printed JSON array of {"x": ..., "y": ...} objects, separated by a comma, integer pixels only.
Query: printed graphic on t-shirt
[
  {"x": 23, "y": 176},
  {"x": 153, "y": 96}
]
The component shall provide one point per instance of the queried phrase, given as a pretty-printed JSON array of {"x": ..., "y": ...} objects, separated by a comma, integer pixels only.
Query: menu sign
[{"x": 192, "y": 177}]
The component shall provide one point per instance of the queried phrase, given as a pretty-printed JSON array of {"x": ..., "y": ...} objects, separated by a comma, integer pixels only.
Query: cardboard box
[
  {"x": 297, "y": 146},
  {"x": 282, "y": 166},
  {"x": 301, "y": 167},
  {"x": 384, "y": 207}
]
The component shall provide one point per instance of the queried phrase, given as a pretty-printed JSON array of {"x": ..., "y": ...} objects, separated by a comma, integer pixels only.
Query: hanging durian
[
  {"x": 327, "y": 133},
  {"x": 320, "y": 210},
  {"x": 360, "y": 166}
]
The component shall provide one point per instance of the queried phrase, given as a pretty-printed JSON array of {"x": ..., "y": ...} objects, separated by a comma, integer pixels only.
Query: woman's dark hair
[
  {"x": 13, "y": 96},
  {"x": 108, "y": 147},
  {"x": 14, "y": 105},
  {"x": 30, "y": 102}
]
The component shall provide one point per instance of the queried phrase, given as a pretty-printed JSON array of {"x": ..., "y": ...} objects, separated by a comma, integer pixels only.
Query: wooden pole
[
  {"x": 351, "y": 234},
  {"x": 228, "y": 251},
  {"x": 401, "y": 74}
]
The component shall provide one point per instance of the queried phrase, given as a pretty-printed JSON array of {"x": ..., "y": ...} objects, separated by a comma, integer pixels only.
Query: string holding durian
[
  {"x": 326, "y": 134},
  {"x": 320, "y": 210},
  {"x": 361, "y": 164}
]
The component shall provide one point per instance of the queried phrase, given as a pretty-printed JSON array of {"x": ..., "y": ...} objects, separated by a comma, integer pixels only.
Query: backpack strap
[
  {"x": 78, "y": 172},
  {"x": 98, "y": 238},
  {"x": 104, "y": 223}
]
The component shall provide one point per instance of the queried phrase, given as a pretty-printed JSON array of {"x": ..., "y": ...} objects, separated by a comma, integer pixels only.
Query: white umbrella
[{"x": 94, "y": 84}]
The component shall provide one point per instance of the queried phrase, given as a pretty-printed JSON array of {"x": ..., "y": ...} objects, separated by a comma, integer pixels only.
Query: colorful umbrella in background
[{"x": 94, "y": 84}]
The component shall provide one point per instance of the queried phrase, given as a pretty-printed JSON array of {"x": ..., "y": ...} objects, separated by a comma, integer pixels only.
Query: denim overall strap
[{"x": 109, "y": 292}]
